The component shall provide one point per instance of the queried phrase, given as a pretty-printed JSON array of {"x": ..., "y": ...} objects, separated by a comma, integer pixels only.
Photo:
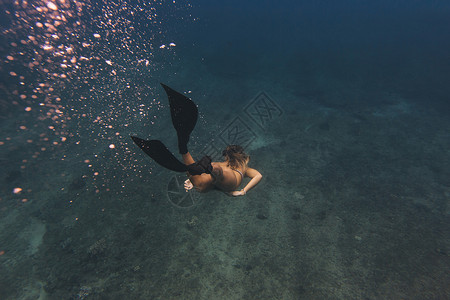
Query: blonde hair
[{"x": 236, "y": 157}]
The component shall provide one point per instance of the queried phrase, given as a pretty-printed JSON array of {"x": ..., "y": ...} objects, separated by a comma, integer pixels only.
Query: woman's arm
[{"x": 255, "y": 179}]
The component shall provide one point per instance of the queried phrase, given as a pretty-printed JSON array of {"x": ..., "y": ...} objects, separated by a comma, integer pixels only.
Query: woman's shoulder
[{"x": 250, "y": 172}]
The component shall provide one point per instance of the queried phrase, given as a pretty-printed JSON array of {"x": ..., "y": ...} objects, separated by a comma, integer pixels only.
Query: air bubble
[{"x": 52, "y": 6}]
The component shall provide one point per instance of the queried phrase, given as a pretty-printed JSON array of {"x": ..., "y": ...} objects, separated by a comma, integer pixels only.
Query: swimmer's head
[{"x": 235, "y": 156}]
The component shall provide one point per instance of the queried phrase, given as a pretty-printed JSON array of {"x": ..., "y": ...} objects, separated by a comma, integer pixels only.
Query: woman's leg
[
  {"x": 187, "y": 159},
  {"x": 201, "y": 182}
]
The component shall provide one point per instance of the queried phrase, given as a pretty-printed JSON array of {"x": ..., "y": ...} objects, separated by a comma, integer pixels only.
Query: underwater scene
[{"x": 339, "y": 187}]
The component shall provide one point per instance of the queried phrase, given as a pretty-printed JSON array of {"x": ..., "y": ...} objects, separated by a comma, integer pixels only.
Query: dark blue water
[{"x": 343, "y": 107}]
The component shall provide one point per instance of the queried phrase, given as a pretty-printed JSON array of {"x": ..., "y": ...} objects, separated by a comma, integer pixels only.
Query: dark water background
[{"x": 353, "y": 146}]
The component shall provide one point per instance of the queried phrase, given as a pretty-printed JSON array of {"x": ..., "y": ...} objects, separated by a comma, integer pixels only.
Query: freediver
[{"x": 204, "y": 175}]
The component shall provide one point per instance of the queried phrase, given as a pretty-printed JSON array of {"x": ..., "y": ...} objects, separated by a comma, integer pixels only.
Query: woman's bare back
[{"x": 230, "y": 180}]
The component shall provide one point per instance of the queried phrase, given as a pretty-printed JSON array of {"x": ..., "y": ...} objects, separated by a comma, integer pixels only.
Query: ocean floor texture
[{"x": 343, "y": 107}]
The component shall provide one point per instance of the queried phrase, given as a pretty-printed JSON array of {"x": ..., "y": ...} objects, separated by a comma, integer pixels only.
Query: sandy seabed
[{"x": 353, "y": 205}]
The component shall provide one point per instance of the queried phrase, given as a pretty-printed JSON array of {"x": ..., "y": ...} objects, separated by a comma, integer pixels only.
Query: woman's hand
[
  {"x": 237, "y": 193},
  {"x": 188, "y": 185}
]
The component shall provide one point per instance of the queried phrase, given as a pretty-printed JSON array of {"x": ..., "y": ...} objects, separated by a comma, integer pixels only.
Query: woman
[
  {"x": 226, "y": 176},
  {"x": 204, "y": 174}
]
